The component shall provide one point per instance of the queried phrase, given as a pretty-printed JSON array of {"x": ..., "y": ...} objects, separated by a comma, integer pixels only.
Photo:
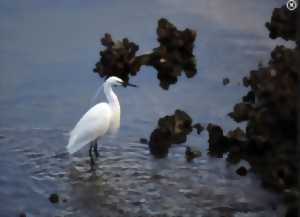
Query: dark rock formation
[
  {"x": 270, "y": 142},
  {"x": 171, "y": 130},
  {"x": 218, "y": 143},
  {"x": 118, "y": 58},
  {"x": 283, "y": 23},
  {"x": 174, "y": 55}
]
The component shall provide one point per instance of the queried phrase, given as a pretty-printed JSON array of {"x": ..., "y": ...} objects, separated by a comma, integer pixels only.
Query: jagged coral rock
[
  {"x": 118, "y": 58},
  {"x": 171, "y": 130},
  {"x": 174, "y": 55},
  {"x": 241, "y": 112},
  {"x": 283, "y": 23},
  {"x": 270, "y": 141},
  {"x": 218, "y": 143}
]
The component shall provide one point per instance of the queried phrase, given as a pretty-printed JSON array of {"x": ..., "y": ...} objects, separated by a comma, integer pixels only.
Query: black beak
[
  {"x": 125, "y": 84},
  {"x": 131, "y": 85}
]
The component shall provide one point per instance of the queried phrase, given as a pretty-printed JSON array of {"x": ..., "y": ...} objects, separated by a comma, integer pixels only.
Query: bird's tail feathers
[
  {"x": 72, "y": 148},
  {"x": 74, "y": 145}
]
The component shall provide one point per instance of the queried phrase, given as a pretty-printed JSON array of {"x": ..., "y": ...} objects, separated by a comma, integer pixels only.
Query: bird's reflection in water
[{"x": 90, "y": 192}]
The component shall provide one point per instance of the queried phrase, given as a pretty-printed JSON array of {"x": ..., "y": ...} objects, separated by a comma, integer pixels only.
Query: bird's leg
[
  {"x": 92, "y": 162},
  {"x": 96, "y": 148}
]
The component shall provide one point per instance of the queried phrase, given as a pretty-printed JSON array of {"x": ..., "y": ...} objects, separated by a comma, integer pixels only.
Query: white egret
[{"x": 102, "y": 119}]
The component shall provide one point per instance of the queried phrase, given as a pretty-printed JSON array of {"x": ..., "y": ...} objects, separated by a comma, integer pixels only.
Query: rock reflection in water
[
  {"x": 174, "y": 55},
  {"x": 90, "y": 194}
]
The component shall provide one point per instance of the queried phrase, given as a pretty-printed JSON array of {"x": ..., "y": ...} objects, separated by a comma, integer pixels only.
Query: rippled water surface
[{"x": 48, "y": 51}]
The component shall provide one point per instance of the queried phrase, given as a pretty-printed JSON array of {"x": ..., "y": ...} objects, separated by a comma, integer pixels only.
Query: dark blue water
[{"x": 47, "y": 54}]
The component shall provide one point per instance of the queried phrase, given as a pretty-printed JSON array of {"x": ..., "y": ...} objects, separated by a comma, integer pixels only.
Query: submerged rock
[
  {"x": 225, "y": 81},
  {"x": 54, "y": 198}
]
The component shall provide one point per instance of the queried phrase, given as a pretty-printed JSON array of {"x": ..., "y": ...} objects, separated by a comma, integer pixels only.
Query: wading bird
[{"x": 102, "y": 119}]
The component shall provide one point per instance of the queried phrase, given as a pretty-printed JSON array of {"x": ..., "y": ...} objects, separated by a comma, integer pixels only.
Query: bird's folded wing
[{"x": 93, "y": 124}]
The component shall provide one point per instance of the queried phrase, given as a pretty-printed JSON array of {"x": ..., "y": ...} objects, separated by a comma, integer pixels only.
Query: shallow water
[
  {"x": 127, "y": 181},
  {"x": 48, "y": 52}
]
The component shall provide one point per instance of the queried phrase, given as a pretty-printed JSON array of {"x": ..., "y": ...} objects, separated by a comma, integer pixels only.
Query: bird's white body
[{"x": 101, "y": 119}]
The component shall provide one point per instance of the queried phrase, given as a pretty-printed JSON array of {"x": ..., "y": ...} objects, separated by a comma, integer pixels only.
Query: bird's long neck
[
  {"x": 115, "y": 107},
  {"x": 111, "y": 97}
]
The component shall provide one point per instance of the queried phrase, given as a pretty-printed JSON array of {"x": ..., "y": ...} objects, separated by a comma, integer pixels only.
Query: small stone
[
  {"x": 198, "y": 127},
  {"x": 191, "y": 154},
  {"x": 226, "y": 81},
  {"x": 242, "y": 171},
  {"x": 54, "y": 198},
  {"x": 143, "y": 141}
]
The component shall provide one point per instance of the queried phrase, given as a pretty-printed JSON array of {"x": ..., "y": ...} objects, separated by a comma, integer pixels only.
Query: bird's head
[{"x": 115, "y": 81}]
